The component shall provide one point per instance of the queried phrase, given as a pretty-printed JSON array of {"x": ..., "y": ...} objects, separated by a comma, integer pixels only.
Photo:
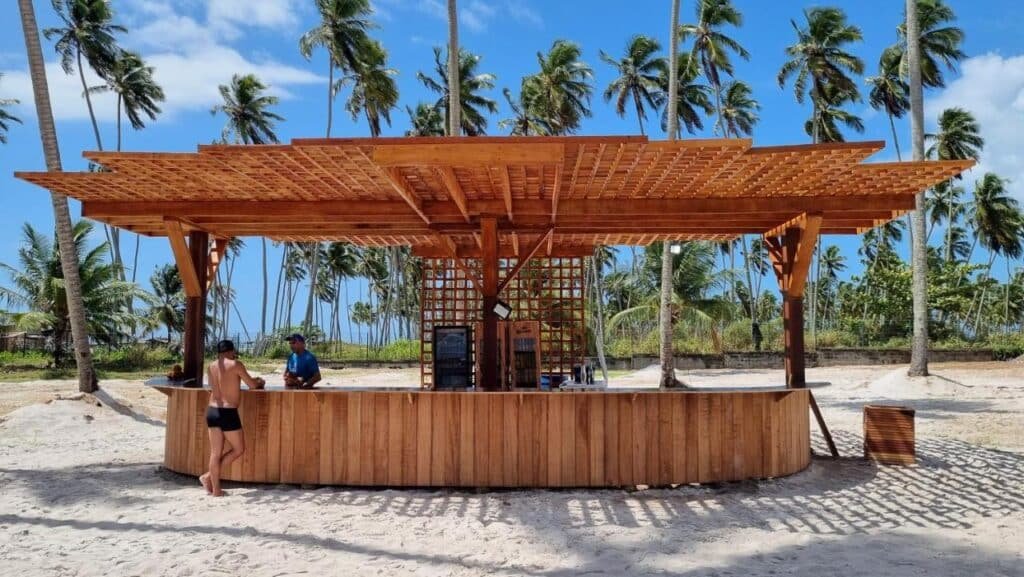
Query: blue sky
[{"x": 196, "y": 45}]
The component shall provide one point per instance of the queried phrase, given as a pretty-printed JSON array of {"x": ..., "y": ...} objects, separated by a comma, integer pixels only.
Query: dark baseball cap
[
  {"x": 295, "y": 337},
  {"x": 225, "y": 346}
]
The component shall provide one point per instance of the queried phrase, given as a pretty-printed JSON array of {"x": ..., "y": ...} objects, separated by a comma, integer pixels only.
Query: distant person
[
  {"x": 755, "y": 333},
  {"x": 225, "y": 376},
  {"x": 302, "y": 371}
]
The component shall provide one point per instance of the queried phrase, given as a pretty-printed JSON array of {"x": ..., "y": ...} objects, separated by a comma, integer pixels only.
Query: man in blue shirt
[{"x": 302, "y": 371}]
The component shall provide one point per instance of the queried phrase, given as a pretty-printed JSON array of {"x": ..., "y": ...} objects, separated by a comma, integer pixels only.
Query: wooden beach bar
[{"x": 502, "y": 226}]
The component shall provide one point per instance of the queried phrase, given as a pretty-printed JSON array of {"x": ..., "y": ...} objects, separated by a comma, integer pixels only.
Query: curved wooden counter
[{"x": 476, "y": 439}]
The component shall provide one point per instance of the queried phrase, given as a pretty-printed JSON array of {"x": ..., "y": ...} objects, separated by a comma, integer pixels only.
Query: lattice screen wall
[{"x": 546, "y": 290}]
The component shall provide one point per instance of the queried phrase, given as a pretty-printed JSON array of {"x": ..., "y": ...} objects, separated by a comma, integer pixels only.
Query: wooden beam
[
  {"x": 468, "y": 154},
  {"x": 555, "y": 193},
  {"x": 804, "y": 255},
  {"x": 451, "y": 184},
  {"x": 182, "y": 257},
  {"x": 521, "y": 262},
  {"x": 217, "y": 252},
  {"x": 450, "y": 251},
  {"x": 406, "y": 192},
  {"x": 490, "y": 375},
  {"x": 506, "y": 191}
]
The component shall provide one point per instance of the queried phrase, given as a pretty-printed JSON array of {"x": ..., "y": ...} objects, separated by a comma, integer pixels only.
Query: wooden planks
[
  {"x": 889, "y": 434},
  {"x": 513, "y": 439}
]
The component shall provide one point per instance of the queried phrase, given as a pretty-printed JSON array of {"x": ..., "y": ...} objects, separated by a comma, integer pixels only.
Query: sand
[{"x": 82, "y": 493}]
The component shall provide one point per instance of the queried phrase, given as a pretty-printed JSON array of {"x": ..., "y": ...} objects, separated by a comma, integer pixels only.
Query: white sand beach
[{"x": 82, "y": 493}]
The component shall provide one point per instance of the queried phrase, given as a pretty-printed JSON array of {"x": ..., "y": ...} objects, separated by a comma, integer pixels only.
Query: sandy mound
[{"x": 897, "y": 384}]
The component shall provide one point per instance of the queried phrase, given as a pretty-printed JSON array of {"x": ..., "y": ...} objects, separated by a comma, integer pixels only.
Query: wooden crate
[{"x": 889, "y": 434}]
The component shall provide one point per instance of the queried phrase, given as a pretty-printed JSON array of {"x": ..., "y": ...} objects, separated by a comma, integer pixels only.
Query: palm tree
[
  {"x": 250, "y": 120},
  {"x": 939, "y": 42},
  {"x": 61, "y": 214},
  {"x": 945, "y": 205},
  {"x": 738, "y": 109},
  {"x": 998, "y": 225},
  {"x": 561, "y": 88},
  {"x": 665, "y": 333},
  {"x": 639, "y": 73},
  {"x": 958, "y": 138},
  {"x": 425, "y": 120},
  {"x": 471, "y": 83},
  {"x": 168, "y": 308},
  {"x": 374, "y": 91},
  {"x": 711, "y": 47},
  {"x": 833, "y": 262},
  {"x": 889, "y": 92},
  {"x": 342, "y": 32},
  {"x": 830, "y": 115},
  {"x": 819, "y": 60},
  {"x": 523, "y": 122},
  {"x": 38, "y": 289},
  {"x": 692, "y": 100},
  {"x": 919, "y": 250},
  {"x": 6, "y": 117},
  {"x": 454, "y": 76},
  {"x": 137, "y": 93},
  {"x": 87, "y": 37}
]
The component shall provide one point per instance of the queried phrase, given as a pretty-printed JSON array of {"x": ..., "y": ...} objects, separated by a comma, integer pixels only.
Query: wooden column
[
  {"x": 195, "y": 307},
  {"x": 791, "y": 248},
  {"x": 488, "y": 357}
]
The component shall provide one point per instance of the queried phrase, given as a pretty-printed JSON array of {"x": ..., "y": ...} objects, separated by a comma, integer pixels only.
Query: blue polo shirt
[{"x": 303, "y": 365}]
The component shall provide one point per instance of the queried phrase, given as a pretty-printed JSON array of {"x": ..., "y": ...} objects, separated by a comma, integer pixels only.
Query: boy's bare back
[{"x": 226, "y": 376}]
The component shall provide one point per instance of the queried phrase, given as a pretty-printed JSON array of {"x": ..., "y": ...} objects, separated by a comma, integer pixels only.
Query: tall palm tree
[
  {"x": 939, "y": 42},
  {"x": 711, "y": 47},
  {"x": 998, "y": 225},
  {"x": 249, "y": 119},
  {"x": 561, "y": 88},
  {"x": 665, "y": 333},
  {"x": 830, "y": 115},
  {"x": 524, "y": 122},
  {"x": 889, "y": 92},
  {"x": 472, "y": 104},
  {"x": 819, "y": 60},
  {"x": 945, "y": 205},
  {"x": 342, "y": 32},
  {"x": 959, "y": 137},
  {"x": 38, "y": 289},
  {"x": 454, "y": 76},
  {"x": 168, "y": 308},
  {"x": 639, "y": 73},
  {"x": 692, "y": 101},
  {"x": 6, "y": 117},
  {"x": 137, "y": 92},
  {"x": 738, "y": 109},
  {"x": 86, "y": 37},
  {"x": 374, "y": 90},
  {"x": 425, "y": 120},
  {"x": 87, "y": 382},
  {"x": 919, "y": 250}
]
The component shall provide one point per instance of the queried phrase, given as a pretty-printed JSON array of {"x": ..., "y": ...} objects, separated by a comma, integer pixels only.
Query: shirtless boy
[{"x": 225, "y": 376}]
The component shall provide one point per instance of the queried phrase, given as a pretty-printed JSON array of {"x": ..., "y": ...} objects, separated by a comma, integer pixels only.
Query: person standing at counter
[
  {"x": 225, "y": 376},
  {"x": 302, "y": 371}
]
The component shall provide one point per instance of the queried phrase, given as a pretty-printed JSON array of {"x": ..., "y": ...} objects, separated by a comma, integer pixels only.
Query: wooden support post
[
  {"x": 195, "y": 308},
  {"x": 824, "y": 428},
  {"x": 489, "y": 262},
  {"x": 793, "y": 334}
]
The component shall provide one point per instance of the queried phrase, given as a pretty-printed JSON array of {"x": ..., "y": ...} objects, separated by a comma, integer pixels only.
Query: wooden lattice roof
[{"x": 430, "y": 192}]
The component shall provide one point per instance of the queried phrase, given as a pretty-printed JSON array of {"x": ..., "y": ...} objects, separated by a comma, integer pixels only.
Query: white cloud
[
  {"x": 992, "y": 88},
  {"x": 518, "y": 10},
  {"x": 226, "y": 15},
  {"x": 190, "y": 59},
  {"x": 474, "y": 15}
]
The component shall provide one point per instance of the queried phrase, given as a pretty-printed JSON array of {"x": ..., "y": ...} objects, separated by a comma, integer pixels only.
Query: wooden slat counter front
[{"x": 413, "y": 438}]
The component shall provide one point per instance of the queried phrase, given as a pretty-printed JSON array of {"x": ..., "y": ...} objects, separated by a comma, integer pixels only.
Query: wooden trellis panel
[{"x": 545, "y": 290}]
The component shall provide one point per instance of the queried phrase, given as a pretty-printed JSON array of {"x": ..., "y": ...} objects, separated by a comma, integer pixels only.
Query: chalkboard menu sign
[{"x": 453, "y": 357}]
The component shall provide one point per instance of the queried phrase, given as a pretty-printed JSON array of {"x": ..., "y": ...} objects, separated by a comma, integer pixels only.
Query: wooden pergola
[{"x": 488, "y": 200}]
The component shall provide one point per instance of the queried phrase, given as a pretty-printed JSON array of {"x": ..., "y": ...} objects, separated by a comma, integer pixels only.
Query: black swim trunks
[{"x": 223, "y": 418}]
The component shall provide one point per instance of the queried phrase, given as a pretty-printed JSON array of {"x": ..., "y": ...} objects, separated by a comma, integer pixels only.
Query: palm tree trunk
[
  {"x": 263, "y": 308},
  {"x": 919, "y": 286},
  {"x": 307, "y": 323},
  {"x": 668, "y": 373},
  {"x": 88, "y": 101},
  {"x": 87, "y": 382},
  {"x": 639, "y": 110},
  {"x": 454, "y": 90},
  {"x": 599, "y": 320},
  {"x": 330, "y": 94},
  {"x": 895, "y": 138}
]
